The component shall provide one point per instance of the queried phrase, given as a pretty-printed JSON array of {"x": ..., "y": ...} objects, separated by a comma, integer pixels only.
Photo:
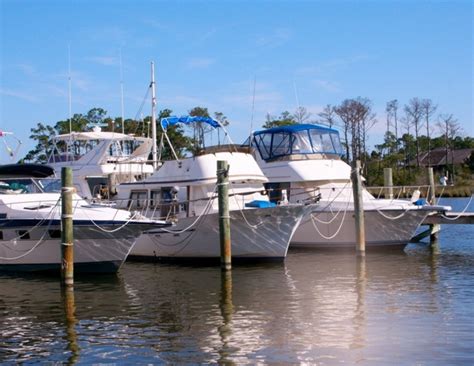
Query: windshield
[
  {"x": 29, "y": 185},
  {"x": 308, "y": 141}
]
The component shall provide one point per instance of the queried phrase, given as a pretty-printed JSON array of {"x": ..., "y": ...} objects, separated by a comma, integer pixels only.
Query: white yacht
[
  {"x": 30, "y": 225},
  {"x": 303, "y": 164},
  {"x": 184, "y": 190},
  {"x": 100, "y": 160}
]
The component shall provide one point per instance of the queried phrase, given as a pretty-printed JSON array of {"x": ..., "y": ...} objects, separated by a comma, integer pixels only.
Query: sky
[{"x": 212, "y": 54}]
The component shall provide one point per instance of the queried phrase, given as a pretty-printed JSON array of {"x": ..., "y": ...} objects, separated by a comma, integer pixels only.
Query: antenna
[
  {"x": 153, "y": 116},
  {"x": 121, "y": 92},
  {"x": 296, "y": 95},
  {"x": 69, "y": 86},
  {"x": 253, "y": 109}
]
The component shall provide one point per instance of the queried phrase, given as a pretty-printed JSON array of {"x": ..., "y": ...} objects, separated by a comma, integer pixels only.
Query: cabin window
[
  {"x": 137, "y": 200},
  {"x": 264, "y": 143},
  {"x": 169, "y": 202},
  {"x": 155, "y": 197},
  {"x": 301, "y": 143},
  {"x": 280, "y": 144},
  {"x": 1, "y": 235},
  {"x": 23, "y": 234},
  {"x": 336, "y": 142},
  {"x": 54, "y": 234}
]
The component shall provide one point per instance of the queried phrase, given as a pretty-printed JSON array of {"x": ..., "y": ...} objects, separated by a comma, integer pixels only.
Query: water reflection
[
  {"x": 317, "y": 307},
  {"x": 70, "y": 315}
]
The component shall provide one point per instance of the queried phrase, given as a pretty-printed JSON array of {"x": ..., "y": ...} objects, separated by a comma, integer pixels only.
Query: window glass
[
  {"x": 301, "y": 143},
  {"x": 281, "y": 144},
  {"x": 137, "y": 199},
  {"x": 264, "y": 142},
  {"x": 336, "y": 143}
]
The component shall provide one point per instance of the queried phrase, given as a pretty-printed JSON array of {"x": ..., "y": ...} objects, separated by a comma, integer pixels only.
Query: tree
[
  {"x": 392, "y": 109},
  {"x": 414, "y": 114},
  {"x": 357, "y": 119},
  {"x": 301, "y": 115},
  {"x": 428, "y": 109},
  {"x": 327, "y": 116},
  {"x": 285, "y": 118},
  {"x": 450, "y": 127},
  {"x": 43, "y": 134}
]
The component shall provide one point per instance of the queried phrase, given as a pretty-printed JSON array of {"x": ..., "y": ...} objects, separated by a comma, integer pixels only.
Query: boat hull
[
  {"x": 264, "y": 234},
  {"x": 383, "y": 229},
  {"x": 35, "y": 245}
]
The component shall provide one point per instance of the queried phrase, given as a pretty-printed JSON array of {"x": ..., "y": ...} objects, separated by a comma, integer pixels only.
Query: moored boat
[
  {"x": 30, "y": 225},
  {"x": 303, "y": 164}
]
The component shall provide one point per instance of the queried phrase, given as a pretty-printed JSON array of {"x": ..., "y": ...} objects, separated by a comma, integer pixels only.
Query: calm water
[{"x": 327, "y": 308}]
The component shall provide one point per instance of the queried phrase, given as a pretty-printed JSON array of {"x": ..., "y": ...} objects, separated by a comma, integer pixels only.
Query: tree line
[{"x": 410, "y": 130}]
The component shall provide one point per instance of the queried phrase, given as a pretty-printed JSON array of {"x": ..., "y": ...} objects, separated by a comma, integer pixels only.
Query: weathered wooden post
[
  {"x": 388, "y": 182},
  {"x": 434, "y": 228},
  {"x": 224, "y": 217},
  {"x": 358, "y": 209},
  {"x": 67, "y": 239}
]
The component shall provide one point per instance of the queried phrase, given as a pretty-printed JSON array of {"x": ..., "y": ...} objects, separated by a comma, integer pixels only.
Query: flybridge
[{"x": 297, "y": 139}]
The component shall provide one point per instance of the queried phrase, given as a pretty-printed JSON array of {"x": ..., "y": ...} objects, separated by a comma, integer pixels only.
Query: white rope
[
  {"x": 460, "y": 214},
  {"x": 342, "y": 220},
  {"x": 331, "y": 236},
  {"x": 113, "y": 230},
  {"x": 242, "y": 212}
]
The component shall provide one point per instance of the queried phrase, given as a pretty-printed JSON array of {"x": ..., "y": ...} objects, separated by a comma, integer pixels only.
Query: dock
[{"x": 450, "y": 218}]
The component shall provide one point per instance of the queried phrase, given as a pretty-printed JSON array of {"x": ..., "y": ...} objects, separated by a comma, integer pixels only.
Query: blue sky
[{"x": 207, "y": 54}]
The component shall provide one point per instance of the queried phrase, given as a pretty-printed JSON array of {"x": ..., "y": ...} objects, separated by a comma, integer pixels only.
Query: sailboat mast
[
  {"x": 153, "y": 117},
  {"x": 69, "y": 87},
  {"x": 121, "y": 93}
]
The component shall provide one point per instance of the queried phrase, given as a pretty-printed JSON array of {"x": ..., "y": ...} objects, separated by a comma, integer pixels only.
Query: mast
[
  {"x": 121, "y": 93},
  {"x": 153, "y": 116},
  {"x": 69, "y": 87}
]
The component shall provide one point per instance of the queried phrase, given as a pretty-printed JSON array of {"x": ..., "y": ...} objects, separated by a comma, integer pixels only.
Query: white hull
[
  {"x": 382, "y": 229},
  {"x": 95, "y": 250},
  {"x": 268, "y": 239}
]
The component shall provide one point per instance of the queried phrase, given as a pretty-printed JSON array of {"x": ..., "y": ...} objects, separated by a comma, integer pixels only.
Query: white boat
[
  {"x": 303, "y": 164},
  {"x": 30, "y": 226},
  {"x": 184, "y": 190},
  {"x": 100, "y": 160}
]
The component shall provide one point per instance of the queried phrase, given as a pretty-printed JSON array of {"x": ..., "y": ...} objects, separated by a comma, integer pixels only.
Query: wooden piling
[
  {"x": 224, "y": 217},
  {"x": 434, "y": 228},
  {"x": 358, "y": 209},
  {"x": 67, "y": 239},
  {"x": 388, "y": 182}
]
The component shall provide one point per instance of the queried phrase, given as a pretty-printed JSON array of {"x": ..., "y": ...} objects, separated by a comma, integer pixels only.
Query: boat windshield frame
[
  {"x": 27, "y": 185},
  {"x": 299, "y": 140}
]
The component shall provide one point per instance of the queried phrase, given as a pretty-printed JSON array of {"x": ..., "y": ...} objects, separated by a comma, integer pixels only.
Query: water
[{"x": 327, "y": 308}]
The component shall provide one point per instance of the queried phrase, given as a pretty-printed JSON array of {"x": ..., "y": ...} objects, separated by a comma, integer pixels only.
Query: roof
[
  {"x": 25, "y": 170},
  {"x": 296, "y": 127},
  {"x": 438, "y": 157},
  {"x": 98, "y": 135}
]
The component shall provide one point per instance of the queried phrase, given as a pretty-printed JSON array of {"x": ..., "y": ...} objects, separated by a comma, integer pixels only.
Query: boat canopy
[
  {"x": 26, "y": 170},
  {"x": 297, "y": 139},
  {"x": 170, "y": 121}
]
